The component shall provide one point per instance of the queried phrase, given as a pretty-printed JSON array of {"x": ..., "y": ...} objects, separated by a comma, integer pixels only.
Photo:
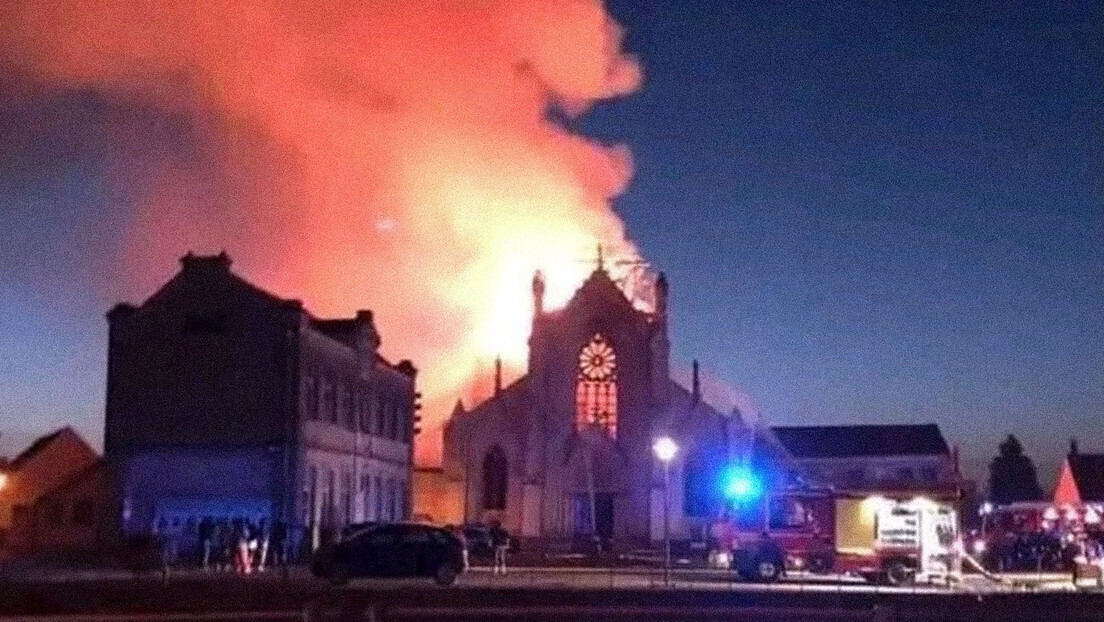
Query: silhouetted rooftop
[{"x": 851, "y": 441}]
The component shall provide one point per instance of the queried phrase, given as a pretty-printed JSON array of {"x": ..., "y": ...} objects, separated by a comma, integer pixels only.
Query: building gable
[
  {"x": 1085, "y": 476},
  {"x": 1065, "y": 491}
]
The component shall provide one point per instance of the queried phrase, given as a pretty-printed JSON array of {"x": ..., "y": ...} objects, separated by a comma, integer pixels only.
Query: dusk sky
[{"x": 868, "y": 212}]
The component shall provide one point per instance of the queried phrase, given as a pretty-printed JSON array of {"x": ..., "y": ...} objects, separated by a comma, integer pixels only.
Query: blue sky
[{"x": 867, "y": 212}]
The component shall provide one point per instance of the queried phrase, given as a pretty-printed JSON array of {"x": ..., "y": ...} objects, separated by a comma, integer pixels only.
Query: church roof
[
  {"x": 854, "y": 441},
  {"x": 509, "y": 397}
]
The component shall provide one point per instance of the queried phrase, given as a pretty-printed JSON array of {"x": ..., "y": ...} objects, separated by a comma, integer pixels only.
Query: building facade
[
  {"x": 46, "y": 464},
  {"x": 887, "y": 459},
  {"x": 566, "y": 450},
  {"x": 226, "y": 401}
]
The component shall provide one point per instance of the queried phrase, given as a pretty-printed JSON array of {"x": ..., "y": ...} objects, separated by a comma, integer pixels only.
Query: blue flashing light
[{"x": 740, "y": 484}]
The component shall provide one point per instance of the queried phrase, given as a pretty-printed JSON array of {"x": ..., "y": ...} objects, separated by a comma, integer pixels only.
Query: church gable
[{"x": 600, "y": 300}]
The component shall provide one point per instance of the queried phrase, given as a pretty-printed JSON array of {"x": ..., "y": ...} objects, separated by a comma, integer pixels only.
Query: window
[
  {"x": 904, "y": 474},
  {"x": 53, "y": 513},
  {"x": 84, "y": 512},
  {"x": 331, "y": 498},
  {"x": 309, "y": 397},
  {"x": 377, "y": 415},
  {"x": 383, "y": 537},
  {"x": 596, "y": 387},
  {"x": 702, "y": 483},
  {"x": 379, "y": 498},
  {"x": 788, "y": 513},
  {"x": 364, "y": 411},
  {"x": 347, "y": 497},
  {"x": 929, "y": 474},
  {"x": 392, "y": 499},
  {"x": 495, "y": 478},
  {"x": 325, "y": 399},
  {"x": 205, "y": 323},
  {"x": 347, "y": 412},
  {"x": 332, "y": 402},
  {"x": 310, "y": 509},
  {"x": 416, "y": 536},
  {"x": 365, "y": 488}
]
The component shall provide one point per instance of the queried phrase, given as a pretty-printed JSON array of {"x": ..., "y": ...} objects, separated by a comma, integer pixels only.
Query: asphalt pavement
[{"x": 532, "y": 593}]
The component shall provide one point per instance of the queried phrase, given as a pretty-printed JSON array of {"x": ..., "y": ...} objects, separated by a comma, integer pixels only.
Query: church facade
[{"x": 566, "y": 450}]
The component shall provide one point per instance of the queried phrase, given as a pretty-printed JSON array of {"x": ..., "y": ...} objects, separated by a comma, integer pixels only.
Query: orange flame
[{"x": 397, "y": 155}]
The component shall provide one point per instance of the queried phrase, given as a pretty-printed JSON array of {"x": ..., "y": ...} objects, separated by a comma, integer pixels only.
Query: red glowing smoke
[{"x": 397, "y": 155}]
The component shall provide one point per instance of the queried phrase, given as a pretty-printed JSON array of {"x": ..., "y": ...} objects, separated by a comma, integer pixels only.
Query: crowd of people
[{"x": 238, "y": 545}]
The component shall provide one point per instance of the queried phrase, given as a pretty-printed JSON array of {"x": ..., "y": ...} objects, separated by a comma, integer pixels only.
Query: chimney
[
  {"x": 1073, "y": 450},
  {"x": 538, "y": 293},
  {"x": 192, "y": 262},
  {"x": 498, "y": 376},
  {"x": 695, "y": 389}
]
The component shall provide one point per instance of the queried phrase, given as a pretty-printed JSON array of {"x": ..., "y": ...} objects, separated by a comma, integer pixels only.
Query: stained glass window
[{"x": 596, "y": 387}]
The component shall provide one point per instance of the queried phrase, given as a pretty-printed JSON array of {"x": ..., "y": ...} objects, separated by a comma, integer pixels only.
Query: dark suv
[{"x": 396, "y": 550}]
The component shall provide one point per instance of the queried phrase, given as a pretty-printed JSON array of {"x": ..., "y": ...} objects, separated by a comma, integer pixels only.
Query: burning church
[{"x": 565, "y": 451}]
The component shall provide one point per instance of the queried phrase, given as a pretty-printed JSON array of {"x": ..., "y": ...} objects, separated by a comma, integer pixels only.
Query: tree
[{"x": 1012, "y": 475}]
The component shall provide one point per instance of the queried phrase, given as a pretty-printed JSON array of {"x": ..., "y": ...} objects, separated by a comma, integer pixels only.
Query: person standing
[
  {"x": 206, "y": 540},
  {"x": 244, "y": 536},
  {"x": 279, "y": 542},
  {"x": 226, "y": 546},
  {"x": 501, "y": 541},
  {"x": 264, "y": 534}
]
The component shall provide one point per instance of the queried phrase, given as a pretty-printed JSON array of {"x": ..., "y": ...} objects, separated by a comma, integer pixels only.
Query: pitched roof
[
  {"x": 852, "y": 441},
  {"x": 36, "y": 447},
  {"x": 1088, "y": 473}
]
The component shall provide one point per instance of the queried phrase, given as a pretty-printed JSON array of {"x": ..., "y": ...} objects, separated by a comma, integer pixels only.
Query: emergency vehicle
[{"x": 894, "y": 541}]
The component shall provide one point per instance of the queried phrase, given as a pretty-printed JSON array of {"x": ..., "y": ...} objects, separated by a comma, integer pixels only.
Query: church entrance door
[{"x": 603, "y": 515}]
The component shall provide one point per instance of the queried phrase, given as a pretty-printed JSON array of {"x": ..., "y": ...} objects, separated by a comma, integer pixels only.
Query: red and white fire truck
[{"x": 895, "y": 541}]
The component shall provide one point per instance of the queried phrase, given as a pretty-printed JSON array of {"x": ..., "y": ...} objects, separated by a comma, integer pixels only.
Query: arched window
[
  {"x": 702, "y": 483},
  {"x": 596, "y": 387},
  {"x": 494, "y": 479}
]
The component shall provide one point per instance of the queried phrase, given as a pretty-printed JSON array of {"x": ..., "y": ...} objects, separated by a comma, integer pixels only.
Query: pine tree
[{"x": 1012, "y": 475}]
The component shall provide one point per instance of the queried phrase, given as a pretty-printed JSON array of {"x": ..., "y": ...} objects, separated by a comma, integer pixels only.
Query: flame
[{"x": 398, "y": 155}]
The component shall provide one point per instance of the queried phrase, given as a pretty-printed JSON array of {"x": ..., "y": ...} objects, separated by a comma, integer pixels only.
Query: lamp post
[{"x": 665, "y": 449}]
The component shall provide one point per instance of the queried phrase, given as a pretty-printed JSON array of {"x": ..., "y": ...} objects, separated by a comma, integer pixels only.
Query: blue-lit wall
[{"x": 182, "y": 484}]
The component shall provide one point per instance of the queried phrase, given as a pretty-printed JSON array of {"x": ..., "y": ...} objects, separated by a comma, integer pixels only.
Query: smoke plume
[{"x": 408, "y": 156}]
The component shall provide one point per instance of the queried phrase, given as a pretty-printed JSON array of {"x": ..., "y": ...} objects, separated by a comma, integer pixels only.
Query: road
[{"x": 579, "y": 595}]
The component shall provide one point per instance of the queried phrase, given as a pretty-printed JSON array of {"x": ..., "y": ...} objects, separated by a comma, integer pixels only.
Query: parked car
[
  {"x": 394, "y": 550},
  {"x": 353, "y": 528}
]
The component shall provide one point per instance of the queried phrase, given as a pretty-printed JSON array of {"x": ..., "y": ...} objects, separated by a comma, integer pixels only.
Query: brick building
[
  {"x": 47, "y": 463},
  {"x": 226, "y": 401}
]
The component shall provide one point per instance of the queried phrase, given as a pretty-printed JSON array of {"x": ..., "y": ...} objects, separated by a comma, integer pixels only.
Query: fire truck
[
  {"x": 883, "y": 540},
  {"x": 1036, "y": 535}
]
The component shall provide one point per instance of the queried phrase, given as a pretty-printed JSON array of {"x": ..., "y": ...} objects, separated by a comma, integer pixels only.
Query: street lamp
[{"x": 665, "y": 449}]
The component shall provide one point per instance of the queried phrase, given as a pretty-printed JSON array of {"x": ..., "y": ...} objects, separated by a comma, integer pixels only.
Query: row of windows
[
  {"x": 81, "y": 513},
  {"x": 858, "y": 475},
  {"x": 331, "y": 501},
  {"x": 356, "y": 409}
]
